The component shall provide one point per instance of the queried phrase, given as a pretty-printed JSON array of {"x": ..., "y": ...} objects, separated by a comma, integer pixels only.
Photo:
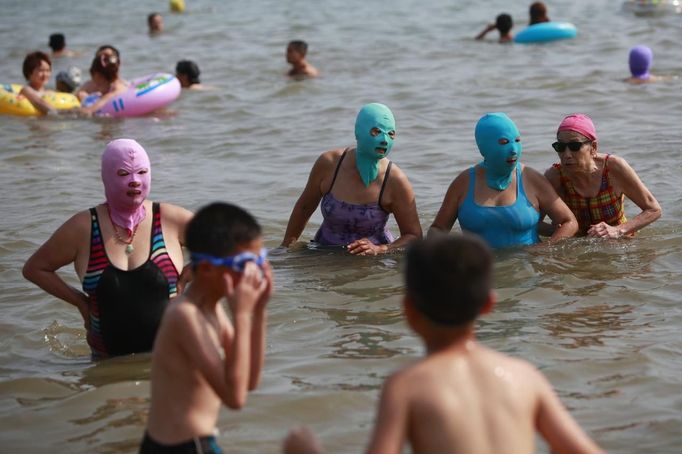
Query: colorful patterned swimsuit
[
  {"x": 606, "y": 206},
  {"x": 347, "y": 222},
  {"x": 126, "y": 306}
]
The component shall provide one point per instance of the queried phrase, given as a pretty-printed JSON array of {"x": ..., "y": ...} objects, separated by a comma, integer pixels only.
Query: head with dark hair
[
  {"x": 296, "y": 50},
  {"x": 108, "y": 49},
  {"x": 449, "y": 278},
  {"x": 105, "y": 65},
  {"x": 33, "y": 61},
  {"x": 504, "y": 23},
  {"x": 538, "y": 13},
  {"x": 57, "y": 42},
  {"x": 187, "y": 71},
  {"x": 155, "y": 22},
  {"x": 219, "y": 229}
]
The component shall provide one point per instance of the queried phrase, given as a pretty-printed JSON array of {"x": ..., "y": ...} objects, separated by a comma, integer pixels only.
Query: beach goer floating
[
  {"x": 127, "y": 252},
  {"x": 300, "y": 68},
  {"x": 67, "y": 81},
  {"x": 462, "y": 396},
  {"x": 155, "y": 23},
  {"x": 501, "y": 199},
  {"x": 57, "y": 43},
  {"x": 37, "y": 69},
  {"x": 187, "y": 73},
  {"x": 594, "y": 184},
  {"x": 104, "y": 72},
  {"x": 503, "y": 24},
  {"x": 200, "y": 358},
  {"x": 640, "y": 60},
  {"x": 99, "y": 82},
  {"x": 538, "y": 13},
  {"x": 358, "y": 189}
]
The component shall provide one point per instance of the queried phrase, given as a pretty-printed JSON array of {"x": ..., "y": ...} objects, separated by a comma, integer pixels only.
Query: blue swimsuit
[{"x": 500, "y": 226}]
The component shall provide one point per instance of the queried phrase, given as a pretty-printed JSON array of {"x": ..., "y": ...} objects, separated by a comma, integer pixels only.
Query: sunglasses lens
[
  {"x": 559, "y": 147},
  {"x": 574, "y": 146}
]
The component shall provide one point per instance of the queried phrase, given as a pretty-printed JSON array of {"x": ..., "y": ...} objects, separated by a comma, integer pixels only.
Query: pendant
[{"x": 129, "y": 249}]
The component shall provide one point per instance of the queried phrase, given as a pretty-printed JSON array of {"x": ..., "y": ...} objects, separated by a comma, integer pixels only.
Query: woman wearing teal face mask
[
  {"x": 501, "y": 199},
  {"x": 359, "y": 187}
]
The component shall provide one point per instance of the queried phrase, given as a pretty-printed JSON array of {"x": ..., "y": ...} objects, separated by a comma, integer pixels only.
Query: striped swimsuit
[
  {"x": 126, "y": 306},
  {"x": 606, "y": 206}
]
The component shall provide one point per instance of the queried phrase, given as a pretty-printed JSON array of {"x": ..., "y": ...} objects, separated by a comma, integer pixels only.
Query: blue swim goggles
[{"x": 235, "y": 262}]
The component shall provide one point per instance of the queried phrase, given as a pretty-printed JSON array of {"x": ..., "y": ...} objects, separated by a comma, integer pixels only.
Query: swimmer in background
[
  {"x": 67, "y": 81},
  {"x": 300, "y": 68},
  {"x": 97, "y": 83},
  {"x": 104, "y": 71},
  {"x": 201, "y": 359},
  {"x": 462, "y": 396},
  {"x": 640, "y": 59},
  {"x": 187, "y": 73},
  {"x": 155, "y": 23},
  {"x": 58, "y": 45},
  {"x": 37, "y": 69},
  {"x": 538, "y": 13},
  {"x": 503, "y": 23}
]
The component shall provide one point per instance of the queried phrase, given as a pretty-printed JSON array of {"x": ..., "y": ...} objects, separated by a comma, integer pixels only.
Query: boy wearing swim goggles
[{"x": 200, "y": 357}]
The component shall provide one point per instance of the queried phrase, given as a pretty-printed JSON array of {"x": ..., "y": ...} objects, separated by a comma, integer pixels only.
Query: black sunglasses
[{"x": 560, "y": 147}]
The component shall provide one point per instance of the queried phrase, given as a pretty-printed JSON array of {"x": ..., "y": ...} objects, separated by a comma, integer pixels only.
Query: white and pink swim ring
[
  {"x": 144, "y": 95},
  {"x": 653, "y": 7}
]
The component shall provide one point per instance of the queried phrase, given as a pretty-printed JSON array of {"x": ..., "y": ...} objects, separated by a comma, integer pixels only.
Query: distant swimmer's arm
[
  {"x": 490, "y": 27},
  {"x": 447, "y": 215},
  {"x": 60, "y": 250},
  {"x": 308, "y": 201},
  {"x": 557, "y": 426},
  {"x": 35, "y": 98},
  {"x": 390, "y": 428}
]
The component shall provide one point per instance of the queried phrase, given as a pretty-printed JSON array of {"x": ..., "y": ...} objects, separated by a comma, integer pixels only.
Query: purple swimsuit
[{"x": 347, "y": 222}]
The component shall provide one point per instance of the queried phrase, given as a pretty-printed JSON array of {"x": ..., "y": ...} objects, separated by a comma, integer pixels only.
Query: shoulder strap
[
  {"x": 383, "y": 185},
  {"x": 605, "y": 174},
  {"x": 336, "y": 171}
]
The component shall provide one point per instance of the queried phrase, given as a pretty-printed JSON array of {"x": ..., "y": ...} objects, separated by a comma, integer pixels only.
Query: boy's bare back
[
  {"x": 188, "y": 340},
  {"x": 467, "y": 398}
]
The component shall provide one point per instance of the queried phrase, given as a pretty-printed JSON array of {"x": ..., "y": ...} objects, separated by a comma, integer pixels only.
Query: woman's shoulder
[{"x": 174, "y": 213}]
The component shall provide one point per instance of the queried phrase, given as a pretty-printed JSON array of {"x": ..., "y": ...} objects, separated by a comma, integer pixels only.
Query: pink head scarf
[
  {"x": 127, "y": 175},
  {"x": 579, "y": 123}
]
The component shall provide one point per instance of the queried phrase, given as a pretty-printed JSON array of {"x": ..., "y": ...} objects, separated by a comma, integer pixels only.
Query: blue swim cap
[
  {"x": 641, "y": 58},
  {"x": 499, "y": 160},
  {"x": 367, "y": 157}
]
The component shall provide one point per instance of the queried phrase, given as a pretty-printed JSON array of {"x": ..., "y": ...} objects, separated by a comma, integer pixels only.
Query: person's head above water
[
  {"x": 538, "y": 13},
  {"x": 126, "y": 174},
  {"x": 504, "y": 23},
  {"x": 187, "y": 73},
  {"x": 108, "y": 49},
  {"x": 35, "y": 60},
  {"x": 68, "y": 80},
  {"x": 105, "y": 64},
  {"x": 155, "y": 22},
  {"x": 448, "y": 279},
  {"x": 374, "y": 133},
  {"x": 57, "y": 42},
  {"x": 640, "y": 60},
  {"x": 296, "y": 50},
  {"x": 499, "y": 142}
]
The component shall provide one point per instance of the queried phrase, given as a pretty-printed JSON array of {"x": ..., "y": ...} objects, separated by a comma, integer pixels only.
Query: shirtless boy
[
  {"x": 462, "y": 397},
  {"x": 300, "y": 68},
  {"x": 200, "y": 358}
]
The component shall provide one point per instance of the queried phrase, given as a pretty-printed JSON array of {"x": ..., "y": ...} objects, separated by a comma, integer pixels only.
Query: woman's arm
[
  {"x": 309, "y": 200},
  {"x": 447, "y": 214},
  {"x": 37, "y": 101},
  {"x": 549, "y": 202},
  {"x": 61, "y": 249},
  {"x": 627, "y": 180}
]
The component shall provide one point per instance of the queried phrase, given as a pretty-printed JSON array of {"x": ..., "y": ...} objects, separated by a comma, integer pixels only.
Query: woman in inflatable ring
[
  {"x": 594, "y": 184},
  {"x": 104, "y": 71}
]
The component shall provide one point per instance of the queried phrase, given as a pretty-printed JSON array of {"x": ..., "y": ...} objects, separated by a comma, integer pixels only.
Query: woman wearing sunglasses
[
  {"x": 500, "y": 199},
  {"x": 594, "y": 184}
]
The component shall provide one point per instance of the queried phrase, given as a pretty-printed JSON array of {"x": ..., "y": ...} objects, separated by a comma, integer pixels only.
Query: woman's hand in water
[
  {"x": 365, "y": 247},
  {"x": 603, "y": 230}
]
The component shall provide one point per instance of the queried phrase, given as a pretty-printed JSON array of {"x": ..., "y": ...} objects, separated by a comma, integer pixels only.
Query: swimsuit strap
[
  {"x": 336, "y": 171},
  {"x": 383, "y": 185},
  {"x": 605, "y": 174}
]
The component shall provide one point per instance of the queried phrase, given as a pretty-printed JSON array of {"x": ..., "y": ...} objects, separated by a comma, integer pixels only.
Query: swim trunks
[
  {"x": 126, "y": 306},
  {"x": 197, "y": 445}
]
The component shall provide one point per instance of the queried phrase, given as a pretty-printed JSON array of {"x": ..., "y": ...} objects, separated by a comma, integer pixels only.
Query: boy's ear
[{"x": 490, "y": 303}]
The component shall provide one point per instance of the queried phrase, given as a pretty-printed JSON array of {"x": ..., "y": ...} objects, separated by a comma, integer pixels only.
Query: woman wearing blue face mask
[
  {"x": 358, "y": 188},
  {"x": 501, "y": 199}
]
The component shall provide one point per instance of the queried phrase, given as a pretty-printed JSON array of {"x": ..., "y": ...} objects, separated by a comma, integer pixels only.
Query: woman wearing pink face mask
[{"x": 126, "y": 251}]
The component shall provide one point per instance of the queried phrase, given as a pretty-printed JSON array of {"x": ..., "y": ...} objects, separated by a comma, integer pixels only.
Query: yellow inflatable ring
[{"x": 13, "y": 104}]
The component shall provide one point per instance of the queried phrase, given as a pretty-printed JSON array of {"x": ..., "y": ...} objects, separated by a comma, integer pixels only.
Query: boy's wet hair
[
  {"x": 218, "y": 228},
  {"x": 108, "y": 46},
  {"x": 299, "y": 46},
  {"x": 151, "y": 17},
  {"x": 449, "y": 278},
  {"x": 189, "y": 69},
  {"x": 504, "y": 23},
  {"x": 57, "y": 42},
  {"x": 32, "y": 61},
  {"x": 538, "y": 13}
]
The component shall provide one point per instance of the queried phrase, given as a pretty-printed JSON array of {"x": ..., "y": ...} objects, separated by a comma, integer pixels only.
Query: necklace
[{"x": 128, "y": 242}]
